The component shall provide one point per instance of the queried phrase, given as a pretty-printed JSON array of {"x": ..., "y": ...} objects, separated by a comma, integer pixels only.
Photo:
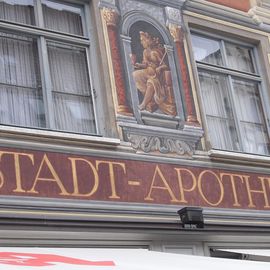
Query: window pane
[
  {"x": 21, "y": 107},
  {"x": 239, "y": 58},
  {"x": 20, "y": 88},
  {"x": 248, "y": 100},
  {"x": 250, "y": 113},
  {"x": 72, "y": 113},
  {"x": 73, "y": 106},
  {"x": 62, "y": 17},
  {"x": 21, "y": 11},
  {"x": 206, "y": 50},
  {"x": 255, "y": 139},
  {"x": 218, "y": 110}
]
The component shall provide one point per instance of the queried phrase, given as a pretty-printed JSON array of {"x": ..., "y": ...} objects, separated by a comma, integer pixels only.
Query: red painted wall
[
  {"x": 243, "y": 5},
  {"x": 68, "y": 176}
]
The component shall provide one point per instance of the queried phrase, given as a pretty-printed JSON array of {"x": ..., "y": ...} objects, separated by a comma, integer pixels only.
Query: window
[
  {"x": 44, "y": 71},
  {"x": 231, "y": 95}
]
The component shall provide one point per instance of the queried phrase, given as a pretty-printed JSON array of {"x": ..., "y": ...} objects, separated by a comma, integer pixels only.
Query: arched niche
[{"x": 132, "y": 24}]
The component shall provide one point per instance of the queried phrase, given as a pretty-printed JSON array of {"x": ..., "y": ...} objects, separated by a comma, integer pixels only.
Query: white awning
[{"x": 113, "y": 259}]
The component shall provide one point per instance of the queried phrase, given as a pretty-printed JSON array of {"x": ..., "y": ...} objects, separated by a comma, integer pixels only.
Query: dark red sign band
[{"x": 58, "y": 175}]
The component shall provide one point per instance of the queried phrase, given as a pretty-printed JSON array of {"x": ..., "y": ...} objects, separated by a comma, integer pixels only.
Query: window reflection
[
  {"x": 206, "y": 50},
  {"x": 239, "y": 57}
]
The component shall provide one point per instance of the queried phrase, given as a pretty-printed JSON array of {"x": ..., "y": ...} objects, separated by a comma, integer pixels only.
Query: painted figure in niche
[{"x": 152, "y": 76}]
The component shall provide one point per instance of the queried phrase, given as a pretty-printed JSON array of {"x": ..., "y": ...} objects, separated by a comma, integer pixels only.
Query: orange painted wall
[{"x": 243, "y": 5}]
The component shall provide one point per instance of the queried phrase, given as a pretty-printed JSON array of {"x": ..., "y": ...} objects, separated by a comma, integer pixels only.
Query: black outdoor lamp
[{"x": 191, "y": 217}]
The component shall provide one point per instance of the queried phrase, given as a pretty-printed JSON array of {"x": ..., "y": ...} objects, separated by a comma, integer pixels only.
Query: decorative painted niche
[
  {"x": 151, "y": 70},
  {"x": 155, "y": 108}
]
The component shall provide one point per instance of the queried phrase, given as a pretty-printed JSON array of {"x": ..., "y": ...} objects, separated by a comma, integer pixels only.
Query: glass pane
[
  {"x": 248, "y": 100},
  {"x": 222, "y": 133},
  {"x": 206, "y": 50},
  {"x": 62, "y": 17},
  {"x": 21, "y": 11},
  {"x": 73, "y": 106},
  {"x": 250, "y": 113},
  {"x": 69, "y": 69},
  {"x": 255, "y": 139},
  {"x": 218, "y": 110},
  {"x": 215, "y": 94},
  {"x": 73, "y": 113},
  {"x": 20, "y": 88},
  {"x": 19, "y": 61},
  {"x": 239, "y": 57},
  {"x": 21, "y": 106}
]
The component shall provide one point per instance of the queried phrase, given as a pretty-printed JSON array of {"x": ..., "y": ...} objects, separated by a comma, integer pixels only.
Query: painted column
[
  {"x": 178, "y": 36},
  {"x": 111, "y": 18}
]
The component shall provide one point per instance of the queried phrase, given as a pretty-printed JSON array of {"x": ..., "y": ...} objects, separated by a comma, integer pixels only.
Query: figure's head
[{"x": 146, "y": 39}]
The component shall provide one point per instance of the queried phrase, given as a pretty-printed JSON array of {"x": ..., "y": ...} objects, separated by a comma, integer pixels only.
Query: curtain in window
[
  {"x": 219, "y": 116},
  {"x": 20, "y": 92},
  {"x": 62, "y": 17},
  {"x": 21, "y": 11},
  {"x": 249, "y": 110},
  {"x": 72, "y": 100}
]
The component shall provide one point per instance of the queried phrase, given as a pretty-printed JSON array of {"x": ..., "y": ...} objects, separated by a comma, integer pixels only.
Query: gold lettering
[
  {"x": 233, "y": 177},
  {"x": 75, "y": 177},
  {"x": 17, "y": 168},
  {"x": 263, "y": 191},
  {"x": 1, "y": 179},
  {"x": 181, "y": 185},
  {"x": 112, "y": 175},
  {"x": 55, "y": 178},
  {"x": 220, "y": 185},
  {"x": 165, "y": 187}
]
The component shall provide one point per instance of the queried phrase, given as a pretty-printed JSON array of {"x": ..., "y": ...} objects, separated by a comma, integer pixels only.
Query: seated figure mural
[{"x": 152, "y": 77}]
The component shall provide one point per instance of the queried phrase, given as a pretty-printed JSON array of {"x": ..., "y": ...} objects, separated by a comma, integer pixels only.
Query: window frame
[
  {"x": 256, "y": 77},
  {"x": 43, "y": 36}
]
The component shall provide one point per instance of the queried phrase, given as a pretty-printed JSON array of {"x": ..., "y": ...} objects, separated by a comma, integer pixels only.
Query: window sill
[
  {"x": 16, "y": 136},
  {"x": 240, "y": 158}
]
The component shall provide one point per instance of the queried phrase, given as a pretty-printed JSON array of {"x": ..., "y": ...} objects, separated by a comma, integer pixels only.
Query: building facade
[{"x": 115, "y": 114}]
